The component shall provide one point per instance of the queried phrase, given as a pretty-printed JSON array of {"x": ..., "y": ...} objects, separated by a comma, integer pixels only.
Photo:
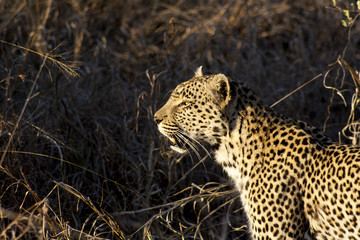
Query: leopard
[{"x": 293, "y": 181}]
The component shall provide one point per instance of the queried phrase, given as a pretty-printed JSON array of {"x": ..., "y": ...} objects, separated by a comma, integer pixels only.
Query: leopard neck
[{"x": 250, "y": 123}]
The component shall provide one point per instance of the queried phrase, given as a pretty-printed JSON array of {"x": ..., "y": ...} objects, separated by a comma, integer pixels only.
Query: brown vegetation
[{"x": 81, "y": 79}]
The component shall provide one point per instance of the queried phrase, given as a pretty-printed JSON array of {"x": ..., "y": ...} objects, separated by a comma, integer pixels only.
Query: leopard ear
[
  {"x": 200, "y": 71},
  {"x": 220, "y": 87}
]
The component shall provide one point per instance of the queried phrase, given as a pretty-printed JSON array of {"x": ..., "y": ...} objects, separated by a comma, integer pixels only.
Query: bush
[{"x": 81, "y": 80}]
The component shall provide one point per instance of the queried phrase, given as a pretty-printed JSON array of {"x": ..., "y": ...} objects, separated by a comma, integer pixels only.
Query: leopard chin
[{"x": 178, "y": 149}]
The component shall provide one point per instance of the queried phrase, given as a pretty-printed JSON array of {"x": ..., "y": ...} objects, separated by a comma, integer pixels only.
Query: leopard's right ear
[
  {"x": 220, "y": 87},
  {"x": 200, "y": 71}
]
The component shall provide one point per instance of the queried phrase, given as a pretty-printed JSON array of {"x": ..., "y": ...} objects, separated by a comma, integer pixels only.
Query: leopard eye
[{"x": 184, "y": 104}]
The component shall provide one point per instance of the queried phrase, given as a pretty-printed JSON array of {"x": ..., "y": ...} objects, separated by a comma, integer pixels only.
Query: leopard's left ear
[
  {"x": 200, "y": 71},
  {"x": 220, "y": 87}
]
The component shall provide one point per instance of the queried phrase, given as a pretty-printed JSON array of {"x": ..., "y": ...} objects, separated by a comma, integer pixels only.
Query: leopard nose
[{"x": 157, "y": 120}]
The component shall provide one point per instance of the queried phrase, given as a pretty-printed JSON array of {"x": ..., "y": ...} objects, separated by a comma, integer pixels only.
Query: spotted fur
[{"x": 290, "y": 176}]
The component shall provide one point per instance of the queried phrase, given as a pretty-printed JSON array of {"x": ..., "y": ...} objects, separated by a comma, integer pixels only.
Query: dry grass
[{"x": 81, "y": 79}]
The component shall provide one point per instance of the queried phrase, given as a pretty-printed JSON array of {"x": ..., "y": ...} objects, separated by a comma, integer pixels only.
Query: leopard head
[{"x": 195, "y": 112}]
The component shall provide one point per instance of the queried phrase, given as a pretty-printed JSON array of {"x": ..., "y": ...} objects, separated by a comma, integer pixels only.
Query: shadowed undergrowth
[{"x": 80, "y": 81}]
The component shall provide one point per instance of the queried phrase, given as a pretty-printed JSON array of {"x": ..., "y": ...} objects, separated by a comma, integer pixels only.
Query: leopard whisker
[
  {"x": 196, "y": 141},
  {"x": 186, "y": 141}
]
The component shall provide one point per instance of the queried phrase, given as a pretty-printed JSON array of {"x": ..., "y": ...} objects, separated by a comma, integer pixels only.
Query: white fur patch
[{"x": 177, "y": 149}]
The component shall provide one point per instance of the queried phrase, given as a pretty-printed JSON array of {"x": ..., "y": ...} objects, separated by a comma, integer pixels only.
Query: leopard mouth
[
  {"x": 177, "y": 145},
  {"x": 172, "y": 140},
  {"x": 177, "y": 140}
]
